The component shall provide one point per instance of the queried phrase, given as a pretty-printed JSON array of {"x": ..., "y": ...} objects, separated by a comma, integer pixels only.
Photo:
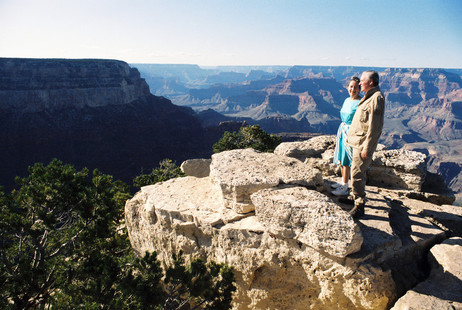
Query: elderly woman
[{"x": 343, "y": 152}]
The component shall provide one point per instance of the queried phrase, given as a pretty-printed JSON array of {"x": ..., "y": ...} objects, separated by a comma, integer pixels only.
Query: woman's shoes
[
  {"x": 341, "y": 190},
  {"x": 337, "y": 185}
]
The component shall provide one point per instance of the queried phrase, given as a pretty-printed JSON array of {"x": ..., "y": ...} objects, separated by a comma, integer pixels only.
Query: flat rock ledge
[
  {"x": 308, "y": 217},
  {"x": 240, "y": 173}
]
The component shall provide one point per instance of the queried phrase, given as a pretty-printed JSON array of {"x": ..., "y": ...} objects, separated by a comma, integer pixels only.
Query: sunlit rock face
[
  {"x": 240, "y": 173},
  {"x": 295, "y": 247},
  {"x": 398, "y": 169}
]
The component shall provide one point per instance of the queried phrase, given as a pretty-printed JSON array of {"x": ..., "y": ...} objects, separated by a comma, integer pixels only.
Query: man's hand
[{"x": 364, "y": 155}]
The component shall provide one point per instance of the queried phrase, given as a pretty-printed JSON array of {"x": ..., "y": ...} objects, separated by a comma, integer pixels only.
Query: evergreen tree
[
  {"x": 63, "y": 245},
  {"x": 167, "y": 170},
  {"x": 251, "y": 136},
  {"x": 207, "y": 286}
]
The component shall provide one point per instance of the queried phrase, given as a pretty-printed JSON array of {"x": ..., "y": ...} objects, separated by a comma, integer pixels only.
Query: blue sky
[{"x": 391, "y": 33}]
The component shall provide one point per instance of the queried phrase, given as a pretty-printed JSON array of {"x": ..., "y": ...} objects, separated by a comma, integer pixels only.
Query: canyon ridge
[{"x": 423, "y": 106}]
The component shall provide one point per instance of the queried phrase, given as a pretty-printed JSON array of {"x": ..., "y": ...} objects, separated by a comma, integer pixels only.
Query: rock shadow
[
  {"x": 400, "y": 221},
  {"x": 443, "y": 286},
  {"x": 451, "y": 223}
]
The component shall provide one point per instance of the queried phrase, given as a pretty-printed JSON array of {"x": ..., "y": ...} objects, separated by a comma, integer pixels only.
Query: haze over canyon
[
  {"x": 109, "y": 115},
  {"x": 423, "y": 106}
]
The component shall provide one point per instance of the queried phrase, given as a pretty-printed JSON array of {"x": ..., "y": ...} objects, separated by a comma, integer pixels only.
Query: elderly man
[{"x": 363, "y": 136}]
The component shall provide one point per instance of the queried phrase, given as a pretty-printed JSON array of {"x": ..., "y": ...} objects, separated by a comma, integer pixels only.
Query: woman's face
[{"x": 353, "y": 89}]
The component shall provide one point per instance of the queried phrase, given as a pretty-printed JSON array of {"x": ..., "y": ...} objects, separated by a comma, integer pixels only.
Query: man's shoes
[
  {"x": 357, "y": 211},
  {"x": 346, "y": 200},
  {"x": 342, "y": 190}
]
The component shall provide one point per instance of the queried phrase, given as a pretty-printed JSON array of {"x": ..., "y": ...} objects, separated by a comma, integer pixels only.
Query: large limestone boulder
[
  {"x": 160, "y": 203},
  {"x": 275, "y": 269},
  {"x": 302, "y": 150},
  {"x": 199, "y": 167},
  {"x": 299, "y": 249},
  {"x": 179, "y": 204},
  {"x": 240, "y": 173},
  {"x": 443, "y": 289},
  {"x": 272, "y": 272},
  {"x": 398, "y": 169},
  {"x": 309, "y": 217}
]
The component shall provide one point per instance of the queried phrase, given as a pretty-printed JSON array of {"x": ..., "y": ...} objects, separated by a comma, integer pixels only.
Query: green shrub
[
  {"x": 167, "y": 170},
  {"x": 251, "y": 136}
]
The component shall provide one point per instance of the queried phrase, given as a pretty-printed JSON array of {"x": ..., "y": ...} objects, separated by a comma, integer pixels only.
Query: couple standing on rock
[{"x": 358, "y": 136}]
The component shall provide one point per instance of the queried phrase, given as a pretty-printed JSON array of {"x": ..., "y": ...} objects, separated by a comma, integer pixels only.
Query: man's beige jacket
[{"x": 366, "y": 127}]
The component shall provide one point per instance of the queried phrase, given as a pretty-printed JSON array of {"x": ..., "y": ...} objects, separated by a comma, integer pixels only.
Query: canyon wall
[{"x": 89, "y": 113}]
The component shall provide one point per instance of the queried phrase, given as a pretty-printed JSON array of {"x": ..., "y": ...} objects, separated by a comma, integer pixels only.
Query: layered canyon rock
[
  {"x": 423, "y": 105},
  {"x": 299, "y": 249},
  {"x": 428, "y": 99},
  {"x": 36, "y": 85},
  {"x": 89, "y": 113}
]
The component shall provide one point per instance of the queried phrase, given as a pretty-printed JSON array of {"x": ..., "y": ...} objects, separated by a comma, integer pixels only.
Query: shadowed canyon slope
[
  {"x": 93, "y": 113},
  {"x": 423, "y": 112}
]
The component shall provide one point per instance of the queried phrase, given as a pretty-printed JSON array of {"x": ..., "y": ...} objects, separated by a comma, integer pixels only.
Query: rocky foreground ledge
[{"x": 293, "y": 245}]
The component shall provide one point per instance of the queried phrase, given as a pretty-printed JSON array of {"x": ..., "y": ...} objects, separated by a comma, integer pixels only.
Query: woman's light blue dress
[{"x": 343, "y": 152}]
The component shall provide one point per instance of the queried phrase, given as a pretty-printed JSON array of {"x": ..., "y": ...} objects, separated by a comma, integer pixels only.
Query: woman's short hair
[{"x": 353, "y": 78}]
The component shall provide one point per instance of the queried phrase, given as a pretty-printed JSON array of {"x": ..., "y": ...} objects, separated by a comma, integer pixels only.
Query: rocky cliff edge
[
  {"x": 293, "y": 244},
  {"x": 35, "y": 85}
]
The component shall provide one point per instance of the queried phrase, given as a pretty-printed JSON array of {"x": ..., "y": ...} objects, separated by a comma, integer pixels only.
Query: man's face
[{"x": 365, "y": 82}]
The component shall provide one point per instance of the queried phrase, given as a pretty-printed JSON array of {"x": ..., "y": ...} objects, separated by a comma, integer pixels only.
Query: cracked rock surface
[
  {"x": 292, "y": 244},
  {"x": 443, "y": 289},
  {"x": 308, "y": 217},
  {"x": 240, "y": 173}
]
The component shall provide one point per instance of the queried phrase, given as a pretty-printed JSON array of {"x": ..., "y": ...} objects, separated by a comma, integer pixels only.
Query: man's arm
[{"x": 374, "y": 128}]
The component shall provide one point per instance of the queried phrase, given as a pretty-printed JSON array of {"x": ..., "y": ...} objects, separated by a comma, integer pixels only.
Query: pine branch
[{"x": 64, "y": 245}]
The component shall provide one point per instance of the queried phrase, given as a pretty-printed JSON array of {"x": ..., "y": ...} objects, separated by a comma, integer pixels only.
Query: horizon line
[{"x": 227, "y": 65}]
